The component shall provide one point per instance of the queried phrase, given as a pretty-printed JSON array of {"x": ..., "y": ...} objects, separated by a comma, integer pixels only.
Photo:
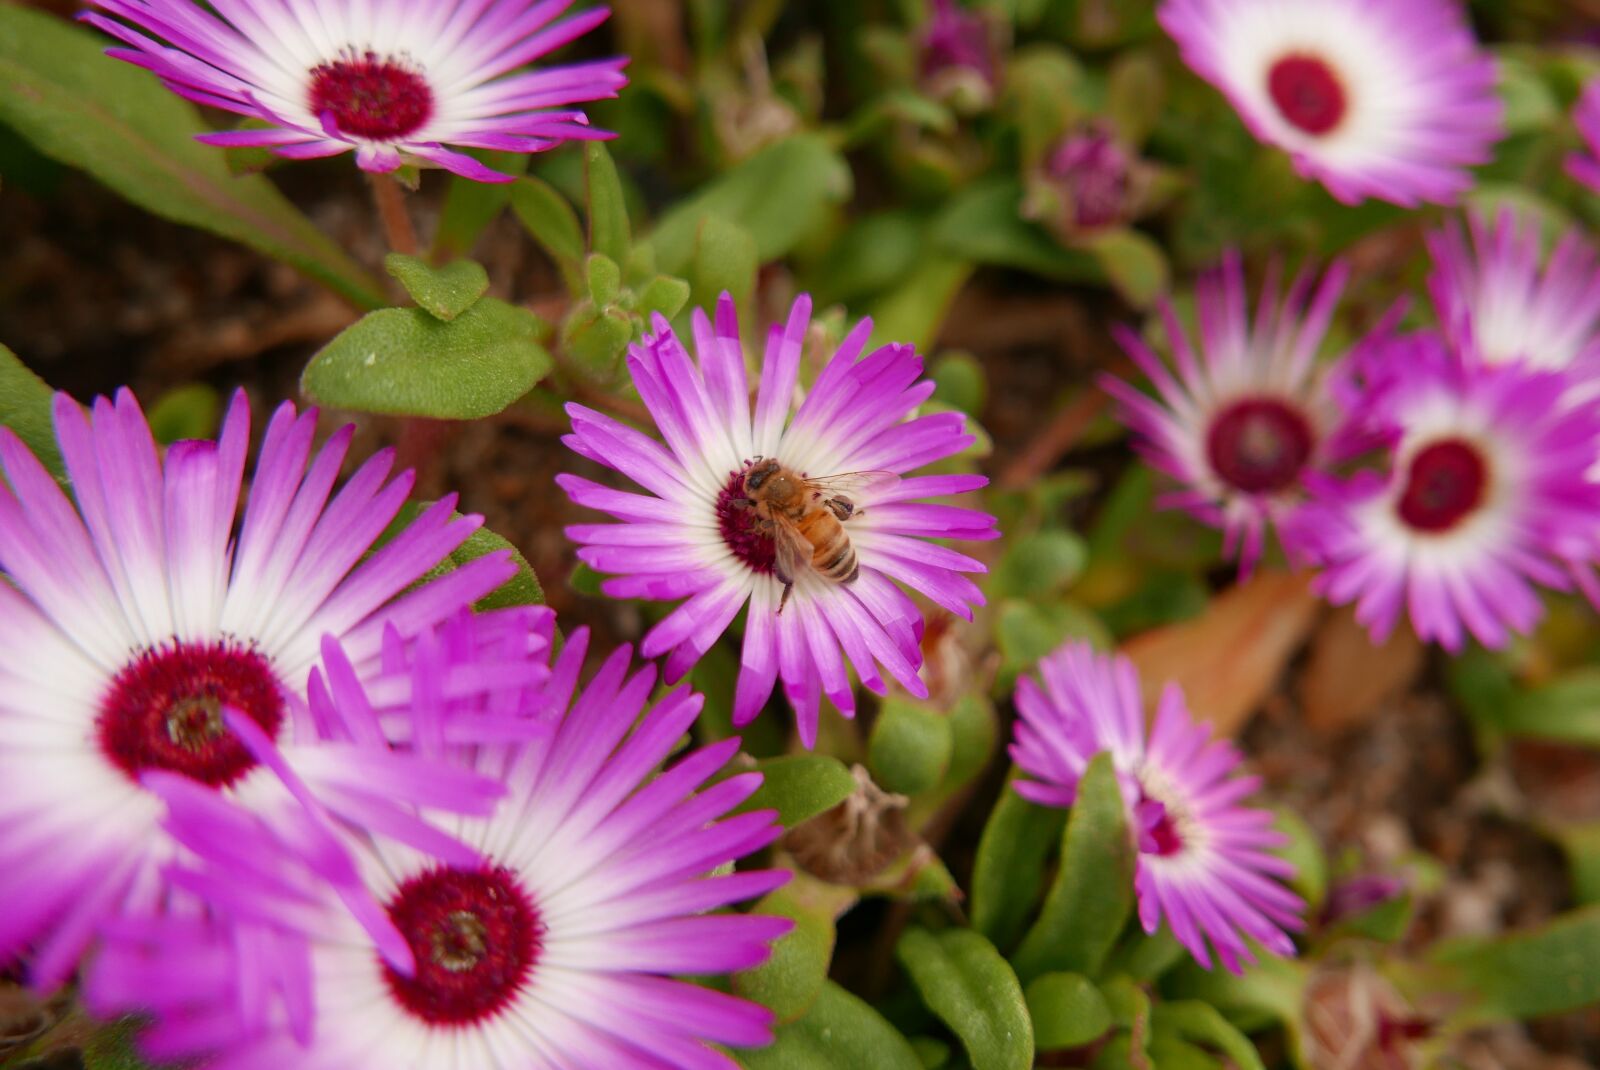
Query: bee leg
[
  {"x": 741, "y": 503},
  {"x": 788, "y": 588},
  {"x": 843, "y": 508}
]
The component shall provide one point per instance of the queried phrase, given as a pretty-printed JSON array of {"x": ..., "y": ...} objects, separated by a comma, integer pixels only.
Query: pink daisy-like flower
[
  {"x": 1496, "y": 305},
  {"x": 706, "y": 530},
  {"x": 1585, "y": 166},
  {"x": 1390, "y": 99},
  {"x": 1205, "y": 862},
  {"x": 597, "y": 879},
  {"x": 1487, "y": 498},
  {"x": 395, "y": 80},
  {"x": 134, "y": 620},
  {"x": 1241, "y": 423}
]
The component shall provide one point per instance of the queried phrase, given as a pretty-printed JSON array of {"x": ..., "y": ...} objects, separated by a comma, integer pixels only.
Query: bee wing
[
  {"x": 850, "y": 484},
  {"x": 793, "y": 549}
]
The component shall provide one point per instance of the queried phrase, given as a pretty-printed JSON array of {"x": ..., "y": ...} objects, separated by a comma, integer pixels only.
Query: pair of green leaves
[{"x": 458, "y": 355}]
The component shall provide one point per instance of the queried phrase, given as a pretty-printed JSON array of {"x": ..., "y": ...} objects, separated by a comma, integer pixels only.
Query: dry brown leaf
[
  {"x": 1348, "y": 678},
  {"x": 1228, "y": 658}
]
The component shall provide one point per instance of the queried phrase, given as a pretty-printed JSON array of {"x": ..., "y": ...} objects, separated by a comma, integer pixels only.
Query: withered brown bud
[
  {"x": 1356, "y": 1019},
  {"x": 855, "y": 840}
]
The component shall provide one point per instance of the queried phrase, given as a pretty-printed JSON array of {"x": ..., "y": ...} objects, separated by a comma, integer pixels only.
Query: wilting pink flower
[
  {"x": 1096, "y": 179},
  {"x": 1205, "y": 861},
  {"x": 958, "y": 59},
  {"x": 395, "y": 80}
]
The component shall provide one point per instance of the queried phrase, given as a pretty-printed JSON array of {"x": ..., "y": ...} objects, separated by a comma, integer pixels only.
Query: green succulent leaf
[
  {"x": 910, "y": 747},
  {"x": 663, "y": 294},
  {"x": 522, "y": 589},
  {"x": 789, "y": 982},
  {"x": 1092, "y": 896},
  {"x": 189, "y": 411},
  {"x": 406, "y": 362},
  {"x": 551, "y": 221},
  {"x": 800, "y": 786},
  {"x": 1009, "y": 869},
  {"x": 1549, "y": 969},
  {"x": 970, "y": 986},
  {"x": 470, "y": 206},
  {"x": 117, "y": 122},
  {"x": 1202, "y": 1024},
  {"x": 1068, "y": 1011},
  {"x": 608, "y": 209},
  {"x": 840, "y": 1032},
  {"x": 25, "y": 403},
  {"x": 983, "y": 223},
  {"x": 780, "y": 195},
  {"x": 725, "y": 260},
  {"x": 444, "y": 292}
]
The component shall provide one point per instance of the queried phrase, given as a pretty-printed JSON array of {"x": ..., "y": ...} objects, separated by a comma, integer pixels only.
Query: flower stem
[
  {"x": 421, "y": 440},
  {"x": 392, "y": 215}
]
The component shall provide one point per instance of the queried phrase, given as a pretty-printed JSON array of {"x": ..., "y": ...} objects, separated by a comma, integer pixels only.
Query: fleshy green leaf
[
  {"x": 912, "y": 312},
  {"x": 800, "y": 786},
  {"x": 1092, "y": 895},
  {"x": 25, "y": 403},
  {"x": 403, "y": 361},
  {"x": 966, "y": 982},
  {"x": 470, "y": 206},
  {"x": 725, "y": 260},
  {"x": 1546, "y": 970},
  {"x": 1310, "y": 879},
  {"x": 910, "y": 747},
  {"x": 663, "y": 294},
  {"x": 1068, "y": 1011},
  {"x": 551, "y": 221},
  {"x": 604, "y": 279},
  {"x": 841, "y": 1032},
  {"x": 1039, "y": 565},
  {"x": 444, "y": 292},
  {"x": 790, "y": 981},
  {"x": 1566, "y": 710},
  {"x": 974, "y": 729},
  {"x": 1202, "y": 1024},
  {"x": 1134, "y": 263},
  {"x": 608, "y": 210},
  {"x": 1010, "y": 865},
  {"x": 522, "y": 589},
  {"x": 780, "y": 195},
  {"x": 187, "y": 412},
  {"x": 873, "y": 254},
  {"x": 597, "y": 338},
  {"x": 115, "y": 121},
  {"x": 983, "y": 223},
  {"x": 960, "y": 382}
]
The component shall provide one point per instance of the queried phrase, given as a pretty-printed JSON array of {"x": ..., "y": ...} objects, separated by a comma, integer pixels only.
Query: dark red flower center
[
  {"x": 164, "y": 710},
  {"x": 742, "y": 529},
  {"x": 476, "y": 936},
  {"x": 1259, "y": 445},
  {"x": 370, "y": 96},
  {"x": 1308, "y": 92},
  {"x": 1158, "y": 832},
  {"x": 1445, "y": 482}
]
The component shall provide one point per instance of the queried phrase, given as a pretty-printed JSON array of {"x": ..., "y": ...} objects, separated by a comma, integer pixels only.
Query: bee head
[{"x": 760, "y": 473}]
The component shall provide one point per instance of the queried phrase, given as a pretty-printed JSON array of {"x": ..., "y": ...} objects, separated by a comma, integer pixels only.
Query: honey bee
[{"x": 805, "y": 518}]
